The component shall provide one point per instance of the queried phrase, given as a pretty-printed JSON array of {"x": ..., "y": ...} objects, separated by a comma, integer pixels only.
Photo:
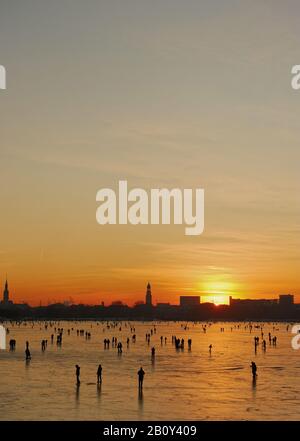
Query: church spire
[
  {"x": 6, "y": 292},
  {"x": 148, "y": 295}
]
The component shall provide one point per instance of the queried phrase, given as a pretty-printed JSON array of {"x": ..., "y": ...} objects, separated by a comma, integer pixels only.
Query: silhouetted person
[
  {"x": 153, "y": 352},
  {"x": 254, "y": 369},
  {"x": 119, "y": 348},
  {"x": 27, "y": 352},
  {"x": 77, "y": 374},
  {"x": 210, "y": 348},
  {"x": 141, "y": 374},
  {"x": 99, "y": 374},
  {"x": 59, "y": 339},
  {"x": 12, "y": 344}
]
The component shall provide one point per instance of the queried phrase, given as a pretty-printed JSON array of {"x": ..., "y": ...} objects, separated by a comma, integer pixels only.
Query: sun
[
  {"x": 217, "y": 290},
  {"x": 217, "y": 300}
]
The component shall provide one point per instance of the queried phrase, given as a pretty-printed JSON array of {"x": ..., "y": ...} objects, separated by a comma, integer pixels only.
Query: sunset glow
[
  {"x": 143, "y": 107},
  {"x": 217, "y": 300}
]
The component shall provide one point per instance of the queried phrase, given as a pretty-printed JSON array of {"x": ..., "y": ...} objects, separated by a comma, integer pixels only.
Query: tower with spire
[
  {"x": 148, "y": 295},
  {"x": 6, "y": 300}
]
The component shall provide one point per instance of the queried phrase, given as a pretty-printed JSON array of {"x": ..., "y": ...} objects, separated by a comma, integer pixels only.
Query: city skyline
[
  {"x": 190, "y": 307},
  {"x": 148, "y": 300}
]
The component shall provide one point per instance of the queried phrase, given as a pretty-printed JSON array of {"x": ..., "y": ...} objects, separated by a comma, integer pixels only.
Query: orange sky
[{"x": 163, "y": 97}]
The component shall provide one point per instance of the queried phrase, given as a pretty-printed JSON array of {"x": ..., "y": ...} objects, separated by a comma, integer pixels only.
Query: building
[
  {"x": 189, "y": 301},
  {"x": 286, "y": 300},
  {"x": 163, "y": 305},
  {"x": 148, "y": 301},
  {"x": 6, "y": 301},
  {"x": 252, "y": 302}
]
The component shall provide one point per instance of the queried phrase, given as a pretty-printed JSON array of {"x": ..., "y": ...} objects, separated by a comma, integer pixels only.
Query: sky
[{"x": 169, "y": 93}]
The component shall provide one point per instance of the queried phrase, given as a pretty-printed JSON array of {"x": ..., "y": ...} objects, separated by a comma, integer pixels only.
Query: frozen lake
[{"x": 178, "y": 385}]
